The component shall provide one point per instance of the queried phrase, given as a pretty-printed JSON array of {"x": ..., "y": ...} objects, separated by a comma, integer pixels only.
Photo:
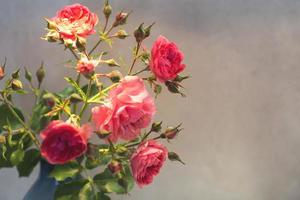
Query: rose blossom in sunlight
[
  {"x": 63, "y": 142},
  {"x": 129, "y": 109},
  {"x": 147, "y": 161},
  {"x": 166, "y": 60},
  {"x": 75, "y": 20}
]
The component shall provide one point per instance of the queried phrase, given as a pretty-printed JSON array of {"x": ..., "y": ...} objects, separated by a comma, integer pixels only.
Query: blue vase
[{"x": 44, "y": 187}]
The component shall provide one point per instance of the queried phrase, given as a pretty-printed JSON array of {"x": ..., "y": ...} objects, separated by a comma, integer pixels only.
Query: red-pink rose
[
  {"x": 63, "y": 142},
  {"x": 129, "y": 109},
  {"x": 86, "y": 67},
  {"x": 147, "y": 161},
  {"x": 75, "y": 20},
  {"x": 166, "y": 59}
]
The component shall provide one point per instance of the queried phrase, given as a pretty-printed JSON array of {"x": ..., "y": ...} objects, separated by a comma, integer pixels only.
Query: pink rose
[
  {"x": 129, "y": 109},
  {"x": 63, "y": 142},
  {"x": 166, "y": 59},
  {"x": 86, "y": 67},
  {"x": 147, "y": 161},
  {"x": 75, "y": 20}
]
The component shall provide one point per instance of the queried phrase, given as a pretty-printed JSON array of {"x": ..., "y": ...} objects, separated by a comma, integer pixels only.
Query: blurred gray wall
[{"x": 242, "y": 114}]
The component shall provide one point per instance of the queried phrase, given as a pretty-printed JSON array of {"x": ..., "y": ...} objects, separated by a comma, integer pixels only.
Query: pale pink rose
[
  {"x": 86, "y": 67},
  {"x": 129, "y": 109},
  {"x": 166, "y": 60},
  {"x": 75, "y": 20},
  {"x": 147, "y": 161}
]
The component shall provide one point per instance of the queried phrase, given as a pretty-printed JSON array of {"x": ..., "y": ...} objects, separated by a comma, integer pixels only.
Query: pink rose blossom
[
  {"x": 63, "y": 142},
  {"x": 129, "y": 109},
  {"x": 166, "y": 60},
  {"x": 147, "y": 161},
  {"x": 75, "y": 20},
  {"x": 86, "y": 67}
]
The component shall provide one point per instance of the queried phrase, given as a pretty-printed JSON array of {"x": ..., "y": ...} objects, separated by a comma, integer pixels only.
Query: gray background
[{"x": 242, "y": 113}]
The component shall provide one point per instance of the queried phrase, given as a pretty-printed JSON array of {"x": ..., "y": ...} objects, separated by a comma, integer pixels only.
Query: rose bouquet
[{"x": 115, "y": 109}]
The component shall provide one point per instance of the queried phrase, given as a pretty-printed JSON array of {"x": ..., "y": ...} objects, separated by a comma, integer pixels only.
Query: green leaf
[
  {"x": 87, "y": 192},
  {"x": 76, "y": 87},
  {"x": 102, "y": 196},
  {"x": 69, "y": 191},
  {"x": 109, "y": 183},
  {"x": 9, "y": 117},
  {"x": 17, "y": 157},
  {"x": 38, "y": 120},
  {"x": 69, "y": 170},
  {"x": 94, "y": 89},
  {"x": 66, "y": 92},
  {"x": 31, "y": 159}
]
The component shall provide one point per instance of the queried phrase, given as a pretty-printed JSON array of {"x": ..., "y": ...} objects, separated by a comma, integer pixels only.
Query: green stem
[
  {"x": 74, "y": 54},
  {"x": 88, "y": 93},
  {"x": 74, "y": 110},
  {"x": 100, "y": 40},
  {"x": 135, "y": 58},
  {"x": 143, "y": 70},
  {"x": 32, "y": 136}
]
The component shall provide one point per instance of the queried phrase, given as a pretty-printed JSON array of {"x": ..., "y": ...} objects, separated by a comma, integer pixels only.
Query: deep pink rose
[
  {"x": 63, "y": 142},
  {"x": 166, "y": 59},
  {"x": 129, "y": 109},
  {"x": 86, "y": 67},
  {"x": 147, "y": 161},
  {"x": 75, "y": 20}
]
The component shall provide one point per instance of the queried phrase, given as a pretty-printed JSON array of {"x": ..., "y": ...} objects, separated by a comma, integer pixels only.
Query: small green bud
[
  {"x": 40, "y": 74},
  {"x": 156, "y": 126},
  {"x": 139, "y": 33},
  {"x": 49, "y": 100},
  {"x": 28, "y": 75},
  {"x": 147, "y": 30},
  {"x": 16, "y": 84},
  {"x": 171, "y": 132},
  {"x": 107, "y": 10},
  {"x": 173, "y": 87},
  {"x": 111, "y": 63},
  {"x": 121, "y": 34},
  {"x": 16, "y": 74},
  {"x": 115, "y": 76}
]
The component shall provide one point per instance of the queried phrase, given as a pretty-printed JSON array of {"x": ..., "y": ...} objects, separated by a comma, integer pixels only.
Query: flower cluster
[{"x": 116, "y": 109}]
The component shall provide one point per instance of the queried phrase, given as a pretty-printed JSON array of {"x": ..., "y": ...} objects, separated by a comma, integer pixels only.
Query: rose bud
[
  {"x": 49, "y": 100},
  {"x": 147, "y": 161},
  {"x": 86, "y": 67},
  {"x": 139, "y": 33},
  {"x": 175, "y": 157},
  {"x": 121, "y": 19},
  {"x": 40, "y": 74},
  {"x": 156, "y": 126},
  {"x": 16, "y": 84},
  {"x": 2, "y": 72},
  {"x": 107, "y": 10},
  {"x": 171, "y": 132},
  {"x": 121, "y": 34},
  {"x": 114, "y": 166},
  {"x": 166, "y": 60},
  {"x": 63, "y": 142},
  {"x": 28, "y": 75},
  {"x": 115, "y": 76}
]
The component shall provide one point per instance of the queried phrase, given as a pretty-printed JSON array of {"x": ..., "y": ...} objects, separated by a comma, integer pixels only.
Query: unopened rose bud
[
  {"x": 121, "y": 19},
  {"x": 16, "y": 74},
  {"x": 171, "y": 132},
  {"x": 16, "y": 84},
  {"x": 156, "y": 126},
  {"x": 28, "y": 75},
  {"x": 49, "y": 100},
  {"x": 75, "y": 98},
  {"x": 180, "y": 78},
  {"x": 115, "y": 76},
  {"x": 173, "y": 87},
  {"x": 121, "y": 34},
  {"x": 115, "y": 166},
  {"x": 139, "y": 33},
  {"x": 2, "y": 72},
  {"x": 107, "y": 10},
  {"x": 40, "y": 74},
  {"x": 148, "y": 30},
  {"x": 103, "y": 134}
]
